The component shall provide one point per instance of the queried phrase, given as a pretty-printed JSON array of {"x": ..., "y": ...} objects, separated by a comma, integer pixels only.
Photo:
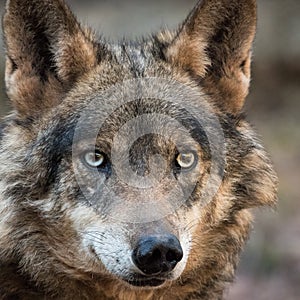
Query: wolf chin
[{"x": 128, "y": 170}]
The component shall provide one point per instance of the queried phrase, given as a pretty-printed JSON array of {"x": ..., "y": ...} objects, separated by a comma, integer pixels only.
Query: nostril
[{"x": 174, "y": 256}]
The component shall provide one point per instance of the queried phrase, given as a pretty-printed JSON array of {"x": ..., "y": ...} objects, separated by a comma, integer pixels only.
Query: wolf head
[{"x": 129, "y": 167}]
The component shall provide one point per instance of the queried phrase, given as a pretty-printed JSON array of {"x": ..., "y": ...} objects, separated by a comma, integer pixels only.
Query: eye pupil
[{"x": 186, "y": 160}]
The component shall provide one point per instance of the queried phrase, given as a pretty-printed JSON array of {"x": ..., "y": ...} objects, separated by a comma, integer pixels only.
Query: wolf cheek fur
[{"x": 53, "y": 243}]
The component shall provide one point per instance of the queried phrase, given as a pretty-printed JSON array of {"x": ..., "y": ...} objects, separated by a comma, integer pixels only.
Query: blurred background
[{"x": 270, "y": 266}]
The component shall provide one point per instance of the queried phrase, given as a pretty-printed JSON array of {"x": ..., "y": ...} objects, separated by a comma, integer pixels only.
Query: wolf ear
[
  {"x": 47, "y": 51},
  {"x": 214, "y": 46}
]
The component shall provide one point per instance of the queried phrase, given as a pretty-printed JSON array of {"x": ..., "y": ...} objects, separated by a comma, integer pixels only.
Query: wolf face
[{"x": 128, "y": 170}]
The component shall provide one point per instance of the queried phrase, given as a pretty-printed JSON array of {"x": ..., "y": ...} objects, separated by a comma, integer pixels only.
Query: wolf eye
[
  {"x": 186, "y": 160},
  {"x": 94, "y": 159}
]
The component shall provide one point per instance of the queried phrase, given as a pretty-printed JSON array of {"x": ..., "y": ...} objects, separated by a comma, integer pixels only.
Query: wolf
[{"x": 128, "y": 170}]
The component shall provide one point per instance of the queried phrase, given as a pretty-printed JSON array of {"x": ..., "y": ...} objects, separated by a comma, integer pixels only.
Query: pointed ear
[
  {"x": 214, "y": 46},
  {"x": 47, "y": 51}
]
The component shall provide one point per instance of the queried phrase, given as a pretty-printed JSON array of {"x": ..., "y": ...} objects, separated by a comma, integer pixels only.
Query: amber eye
[
  {"x": 186, "y": 160},
  {"x": 94, "y": 159}
]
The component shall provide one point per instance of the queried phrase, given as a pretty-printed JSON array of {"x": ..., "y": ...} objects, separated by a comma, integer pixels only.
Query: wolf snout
[{"x": 157, "y": 254}]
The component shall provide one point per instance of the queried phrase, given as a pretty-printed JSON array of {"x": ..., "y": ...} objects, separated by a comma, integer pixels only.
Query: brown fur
[{"x": 53, "y": 68}]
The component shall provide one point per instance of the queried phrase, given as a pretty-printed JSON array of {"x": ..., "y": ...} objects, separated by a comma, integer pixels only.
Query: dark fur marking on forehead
[{"x": 136, "y": 57}]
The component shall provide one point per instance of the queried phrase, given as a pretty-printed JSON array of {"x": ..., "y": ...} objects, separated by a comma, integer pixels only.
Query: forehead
[
  {"x": 134, "y": 57},
  {"x": 135, "y": 81},
  {"x": 125, "y": 72},
  {"x": 160, "y": 121}
]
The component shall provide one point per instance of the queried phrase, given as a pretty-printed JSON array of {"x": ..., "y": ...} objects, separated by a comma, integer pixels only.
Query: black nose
[{"x": 157, "y": 254}]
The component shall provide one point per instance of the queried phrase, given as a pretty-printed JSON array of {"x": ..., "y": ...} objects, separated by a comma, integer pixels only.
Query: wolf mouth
[{"x": 146, "y": 282}]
